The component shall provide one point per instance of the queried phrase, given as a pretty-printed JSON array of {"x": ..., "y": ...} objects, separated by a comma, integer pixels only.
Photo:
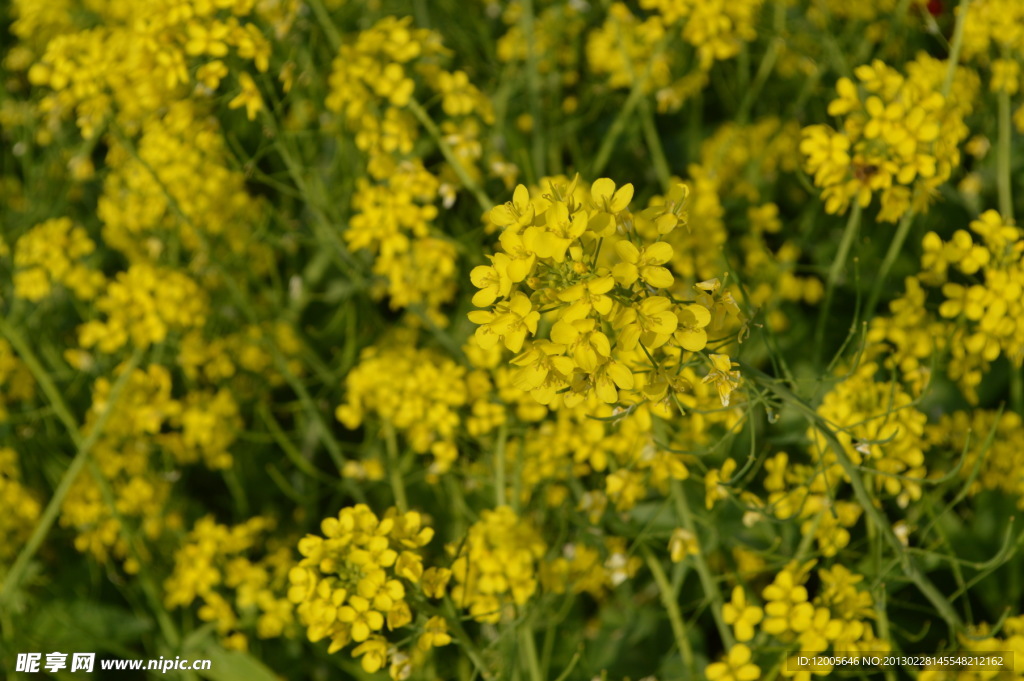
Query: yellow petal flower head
[
  {"x": 681, "y": 544},
  {"x": 735, "y": 667},
  {"x": 435, "y": 634},
  {"x": 517, "y": 213},
  {"x": 435, "y": 580},
  {"x": 493, "y": 280},
  {"x": 643, "y": 263},
  {"x": 589, "y": 295},
  {"x": 374, "y": 654},
  {"x": 741, "y": 616},
  {"x": 543, "y": 369},
  {"x": 249, "y": 97},
  {"x": 714, "y": 489},
  {"x": 691, "y": 334},
  {"x": 723, "y": 375},
  {"x": 652, "y": 323},
  {"x": 608, "y": 377},
  {"x": 510, "y": 322},
  {"x": 561, "y": 229},
  {"x": 609, "y": 203},
  {"x": 671, "y": 214}
]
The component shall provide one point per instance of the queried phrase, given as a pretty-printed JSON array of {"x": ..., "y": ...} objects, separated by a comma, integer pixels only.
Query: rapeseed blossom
[{"x": 348, "y": 336}]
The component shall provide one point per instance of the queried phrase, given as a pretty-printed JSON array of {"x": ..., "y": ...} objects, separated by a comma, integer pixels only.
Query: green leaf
[
  {"x": 86, "y": 625},
  {"x": 235, "y": 665}
]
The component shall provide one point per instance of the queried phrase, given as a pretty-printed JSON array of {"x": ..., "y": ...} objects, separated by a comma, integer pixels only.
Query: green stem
[
  {"x": 499, "y": 465},
  {"x": 468, "y": 182},
  {"x": 326, "y": 436},
  {"x": 743, "y": 68},
  {"x": 764, "y": 70},
  {"x": 1003, "y": 160},
  {"x": 650, "y": 129},
  {"x": 394, "y": 468},
  {"x": 1017, "y": 388},
  {"x": 884, "y": 527},
  {"x": 288, "y": 447},
  {"x": 890, "y": 257},
  {"x": 849, "y": 234},
  {"x": 422, "y": 13},
  {"x": 675, "y": 617},
  {"x": 330, "y": 30},
  {"x": 632, "y": 101},
  {"x": 1003, "y": 178},
  {"x": 533, "y": 85},
  {"x": 529, "y": 648},
  {"x": 654, "y": 146},
  {"x": 150, "y": 589},
  {"x": 324, "y": 226},
  {"x": 957, "y": 45},
  {"x": 472, "y": 652},
  {"x": 42, "y": 377},
  {"x": 17, "y": 572},
  {"x": 707, "y": 580}
]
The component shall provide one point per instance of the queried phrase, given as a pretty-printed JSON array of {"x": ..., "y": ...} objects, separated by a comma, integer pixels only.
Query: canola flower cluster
[
  {"x": 496, "y": 565},
  {"x": 214, "y": 566},
  {"x": 899, "y": 138},
  {"x": 630, "y": 50},
  {"x": 15, "y": 380},
  {"x": 358, "y": 578},
  {"x": 148, "y": 420},
  {"x": 226, "y": 220},
  {"x": 553, "y": 246},
  {"x": 373, "y": 85},
  {"x": 50, "y": 254},
  {"x": 23, "y": 506},
  {"x": 836, "y": 620},
  {"x": 142, "y": 56},
  {"x": 975, "y": 322},
  {"x": 172, "y": 193},
  {"x": 417, "y": 393}
]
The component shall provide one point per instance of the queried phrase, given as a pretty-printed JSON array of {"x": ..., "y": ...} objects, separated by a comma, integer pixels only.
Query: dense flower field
[{"x": 531, "y": 340}]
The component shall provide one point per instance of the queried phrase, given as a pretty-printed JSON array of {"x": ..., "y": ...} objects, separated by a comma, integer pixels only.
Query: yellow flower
[
  {"x": 589, "y": 295},
  {"x": 382, "y": 592},
  {"x": 249, "y": 97},
  {"x": 651, "y": 322},
  {"x": 509, "y": 322},
  {"x": 714, "y": 490},
  {"x": 459, "y": 95},
  {"x": 435, "y": 580},
  {"x": 605, "y": 383},
  {"x": 609, "y": 199},
  {"x": 374, "y": 653},
  {"x": 561, "y": 229},
  {"x": 681, "y": 544},
  {"x": 435, "y": 634},
  {"x": 517, "y": 213},
  {"x": 643, "y": 263},
  {"x": 786, "y": 605},
  {"x": 211, "y": 73},
  {"x": 625, "y": 488},
  {"x": 543, "y": 369},
  {"x": 692, "y": 320},
  {"x": 360, "y": 617},
  {"x": 740, "y": 615},
  {"x": 735, "y": 667},
  {"x": 496, "y": 564},
  {"x": 588, "y": 345},
  {"x": 493, "y": 280},
  {"x": 1005, "y": 76},
  {"x": 723, "y": 375},
  {"x": 610, "y": 202}
]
